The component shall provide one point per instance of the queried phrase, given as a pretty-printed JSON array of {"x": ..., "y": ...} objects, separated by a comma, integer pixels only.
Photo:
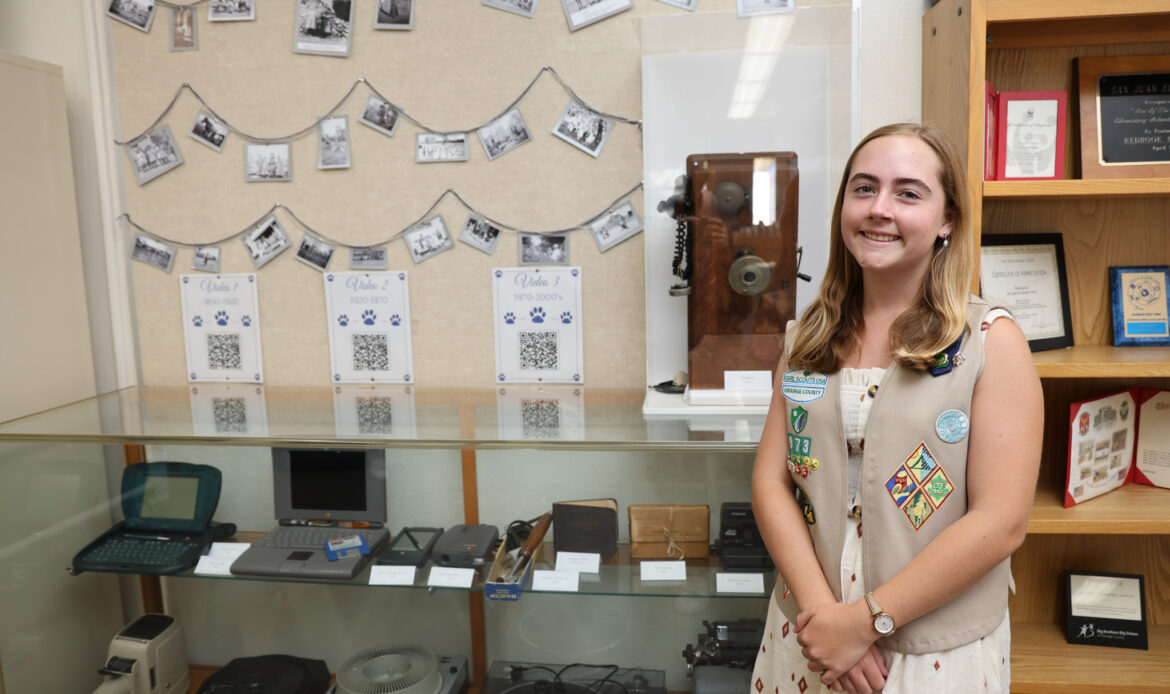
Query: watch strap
[{"x": 871, "y": 601}]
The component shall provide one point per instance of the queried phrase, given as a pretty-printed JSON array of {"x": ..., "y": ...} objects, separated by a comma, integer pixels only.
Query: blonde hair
[{"x": 833, "y": 322}]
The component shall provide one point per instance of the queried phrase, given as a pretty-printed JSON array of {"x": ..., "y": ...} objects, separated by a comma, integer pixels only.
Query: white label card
[
  {"x": 449, "y": 577},
  {"x": 664, "y": 571},
  {"x": 747, "y": 380},
  {"x": 555, "y": 581},
  {"x": 221, "y": 326},
  {"x": 739, "y": 583},
  {"x": 538, "y": 325},
  {"x": 579, "y": 562},
  {"x": 392, "y": 575},
  {"x": 369, "y": 327},
  {"x": 218, "y": 561}
]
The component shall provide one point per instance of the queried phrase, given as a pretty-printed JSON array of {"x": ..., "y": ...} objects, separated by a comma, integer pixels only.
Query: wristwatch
[{"x": 882, "y": 622}]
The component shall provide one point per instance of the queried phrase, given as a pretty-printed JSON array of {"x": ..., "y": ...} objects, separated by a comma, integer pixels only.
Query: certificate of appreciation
[
  {"x": 1026, "y": 274},
  {"x": 1106, "y": 609}
]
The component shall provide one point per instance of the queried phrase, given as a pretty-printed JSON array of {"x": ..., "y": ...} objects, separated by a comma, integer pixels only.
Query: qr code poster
[
  {"x": 544, "y": 414},
  {"x": 369, "y": 327},
  {"x": 221, "y": 325},
  {"x": 228, "y": 410},
  {"x": 538, "y": 325},
  {"x": 381, "y": 412}
]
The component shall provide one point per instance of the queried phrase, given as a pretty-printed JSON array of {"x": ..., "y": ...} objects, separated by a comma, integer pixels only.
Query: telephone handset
[{"x": 680, "y": 208}]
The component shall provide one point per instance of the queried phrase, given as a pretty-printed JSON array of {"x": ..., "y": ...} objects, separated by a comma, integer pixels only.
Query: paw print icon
[
  {"x": 395, "y": 319},
  {"x": 566, "y": 317},
  {"x": 246, "y": 320},
  {"x": 368, "y": 316},
  {"x": 509, "y": 318},
  {"x": 343, "y": 320},
  {"x": 221, "y": 318},
  {"x": 197, "y": 321},
  {"x": 537, "y": 315}
]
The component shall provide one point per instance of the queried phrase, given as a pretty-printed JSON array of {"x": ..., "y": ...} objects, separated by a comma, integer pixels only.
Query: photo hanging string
[
  {"x": 159, "y": 250},
  {"x": 397, "y": 112}
]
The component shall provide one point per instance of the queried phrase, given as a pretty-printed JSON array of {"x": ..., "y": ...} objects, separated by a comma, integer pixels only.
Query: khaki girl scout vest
[{"x": 913, "y": 482}]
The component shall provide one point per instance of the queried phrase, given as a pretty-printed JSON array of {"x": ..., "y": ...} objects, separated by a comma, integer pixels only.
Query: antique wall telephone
[{"x": 735, "y": 259}]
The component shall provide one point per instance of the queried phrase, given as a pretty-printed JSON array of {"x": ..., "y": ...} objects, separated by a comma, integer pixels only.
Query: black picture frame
[
  {"x": 1101, "y": 630},
  {"x": 1030, "y": 268},
  {"x": 1145, "y": 291}
]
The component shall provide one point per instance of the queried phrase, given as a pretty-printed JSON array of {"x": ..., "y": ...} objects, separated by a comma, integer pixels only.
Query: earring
[{"x": 946, "y": 241}]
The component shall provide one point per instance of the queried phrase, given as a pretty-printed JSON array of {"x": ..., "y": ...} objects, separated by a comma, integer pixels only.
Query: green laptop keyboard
[{"x": 130, "y": 553}]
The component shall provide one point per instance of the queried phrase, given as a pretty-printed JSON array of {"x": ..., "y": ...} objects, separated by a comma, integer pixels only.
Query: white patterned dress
[{"x": 982, "y": 666}]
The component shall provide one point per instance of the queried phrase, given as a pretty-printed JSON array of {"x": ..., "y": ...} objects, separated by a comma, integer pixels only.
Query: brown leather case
[{"x": 651, "y": 523}]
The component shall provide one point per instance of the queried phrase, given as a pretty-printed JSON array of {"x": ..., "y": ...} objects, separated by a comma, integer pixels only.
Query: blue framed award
[{"x": 1141, "y": 305}]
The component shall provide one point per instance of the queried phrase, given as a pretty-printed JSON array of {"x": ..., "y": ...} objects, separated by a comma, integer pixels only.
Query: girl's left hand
[{"x": 834, "y": 637}]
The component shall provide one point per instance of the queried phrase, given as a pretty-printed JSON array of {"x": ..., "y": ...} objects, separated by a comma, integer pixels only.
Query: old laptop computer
[{"x": 320, "y": 495}]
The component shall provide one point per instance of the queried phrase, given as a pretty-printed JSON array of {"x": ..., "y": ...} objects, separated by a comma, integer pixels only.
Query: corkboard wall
[{"x": 460, "y": 66}]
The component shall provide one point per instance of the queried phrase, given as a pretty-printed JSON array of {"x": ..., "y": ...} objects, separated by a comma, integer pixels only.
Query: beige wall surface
[
  {"x": 45, "y": 352},
  {"x": 461, "y": 65}
]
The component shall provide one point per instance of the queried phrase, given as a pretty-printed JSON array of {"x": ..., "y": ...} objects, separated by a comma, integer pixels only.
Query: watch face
[{"x": 884, "y": 624}]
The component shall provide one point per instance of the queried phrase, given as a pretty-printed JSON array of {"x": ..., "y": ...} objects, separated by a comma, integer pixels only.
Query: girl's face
[{"x": 894, "y": 207}]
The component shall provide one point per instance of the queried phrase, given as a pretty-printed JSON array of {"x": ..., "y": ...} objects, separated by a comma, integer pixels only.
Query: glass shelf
[
  {"x": 619, "y": 576},
  {"x": 549, "y": 417}
]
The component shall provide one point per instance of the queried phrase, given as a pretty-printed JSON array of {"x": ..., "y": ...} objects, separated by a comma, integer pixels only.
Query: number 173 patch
[{"x": 800, "y": 460}]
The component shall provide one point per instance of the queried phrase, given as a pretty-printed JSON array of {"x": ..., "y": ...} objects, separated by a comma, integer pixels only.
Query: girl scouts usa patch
[
  {"x": 919, "y": 486},
  {"x": 803, "y": 386}
]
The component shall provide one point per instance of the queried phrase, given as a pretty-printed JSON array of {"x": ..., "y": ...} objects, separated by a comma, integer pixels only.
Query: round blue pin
[{"x": 952, "y": 426}]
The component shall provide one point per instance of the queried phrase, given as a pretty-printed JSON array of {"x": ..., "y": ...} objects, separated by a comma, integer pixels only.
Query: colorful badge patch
[
  {"x": 800, "y": 462},
  {"x": 799, "y": 417},
  {"x": 803, "y": 386},
  {"x": 901, "y": 486},
  {"x": 919, "y": 486},
  {"x": 952, "y": 426},
  {"x": 806, "y": 507}
]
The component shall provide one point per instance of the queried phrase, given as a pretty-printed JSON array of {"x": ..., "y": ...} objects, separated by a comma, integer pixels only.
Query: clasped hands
[{"x": 838, "y": 641}]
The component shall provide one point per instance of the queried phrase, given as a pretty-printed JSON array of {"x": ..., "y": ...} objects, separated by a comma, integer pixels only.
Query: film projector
[{"x": 736, "y": 260}]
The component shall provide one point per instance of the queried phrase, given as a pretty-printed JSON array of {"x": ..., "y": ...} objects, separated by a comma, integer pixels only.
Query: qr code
[
  {"x": 223, "y": 351},
  {"x": 231, "y": 417},
  {"x": 541, "y": 419},
  {"x": 371, "y": 352},
  {"x": 538, "y": 350},
  {"x": 374, "y": 415}
]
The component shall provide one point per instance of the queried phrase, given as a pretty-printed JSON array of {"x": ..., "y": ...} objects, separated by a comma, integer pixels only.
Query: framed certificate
[
  {"x": 1106, "y": 609},
  {"x": 1025, "y": 273},
  {"x": 1141, "y": 308},
  {"x": 1122, "y": 100},
  {"x": 1029, "y": 141}
]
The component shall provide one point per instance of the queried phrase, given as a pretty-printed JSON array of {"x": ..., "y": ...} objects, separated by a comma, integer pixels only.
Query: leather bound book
[
  {"x": 669, "y": 531},
  {"x": 588, "y": 526}
]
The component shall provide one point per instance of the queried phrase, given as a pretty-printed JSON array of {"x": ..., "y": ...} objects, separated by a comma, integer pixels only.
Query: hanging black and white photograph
[
  {"x": 582, "y": 13},
  {"x": 266, "y": 240},
  {"x": 428, "y": 239},
  {"x": 367, "y": 258},
  {"x": 544, "y": 249},
  {"x": 394, "y": 14},
  {"x": 231, "y": 10},
  {"x": 268, "y": 162},
  {"x": 379, "y": 115},
  {"x": 479, "y": 233},
  {"x": 504, "y": 134},
  {"x": 615, "y": 226},
  {"x": 137, "y": 13},
  {"x": 437, "y": 147},
  {"x": 183, "y": 36},
  {"x": 323, "y": 27},
  {"x": 153, "y": 252},
  {"x": 153, "y": 154},
  {"x": 753, "y": 8},
  {"x": 315, "y": 252},
  {"x": 206, "y": 259},
  {"x": 524, "y": 8},
  {"x": 333, "y": 143},
  {"x": 209, "y": 130},
  {"x": 584, "y": 128}
]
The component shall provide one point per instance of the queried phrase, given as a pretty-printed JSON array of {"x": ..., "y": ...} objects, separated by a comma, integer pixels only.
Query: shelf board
[
  {"x": 1044, "y": 663},
  {"x": 1133, "y": 509},
  {"x": 1103, "y": 361},
  {"x": 1028, "y": 10},
  {"x": 1129, "y": 188}
]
